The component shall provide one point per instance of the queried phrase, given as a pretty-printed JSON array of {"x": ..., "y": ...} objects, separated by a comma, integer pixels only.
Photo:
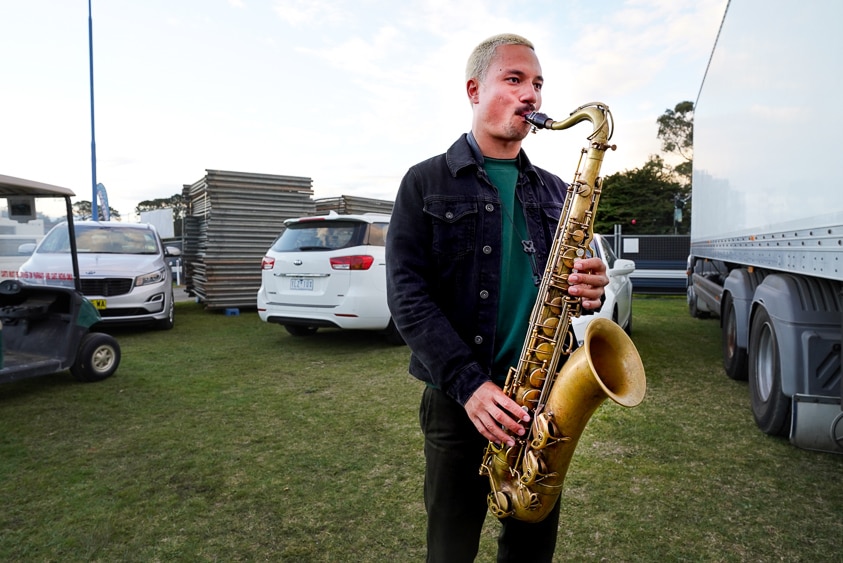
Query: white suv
[{"x": 327, "y": 271}]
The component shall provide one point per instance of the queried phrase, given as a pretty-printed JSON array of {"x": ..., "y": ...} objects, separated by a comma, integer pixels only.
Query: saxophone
[{"x": 526, "y": 479}]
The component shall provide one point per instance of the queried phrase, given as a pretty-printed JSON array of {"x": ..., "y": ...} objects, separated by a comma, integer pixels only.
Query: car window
[
  {"x": 377, "y": 234},
  {"x": 111, "y": 240},
  {"x": 56, "y": 241},
  {"x": 607, "y": 252},
  {"x": 321, "y": 235}
]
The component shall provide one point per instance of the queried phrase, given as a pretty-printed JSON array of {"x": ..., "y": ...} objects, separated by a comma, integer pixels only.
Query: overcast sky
[{"x": 348, "y": 93}]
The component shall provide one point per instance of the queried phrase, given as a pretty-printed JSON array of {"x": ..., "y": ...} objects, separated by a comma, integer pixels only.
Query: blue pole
[{"x": 94, "y": 214}]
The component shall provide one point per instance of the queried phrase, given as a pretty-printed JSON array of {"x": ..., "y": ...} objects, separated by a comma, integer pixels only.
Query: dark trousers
[{"x": 455, "y": 492}]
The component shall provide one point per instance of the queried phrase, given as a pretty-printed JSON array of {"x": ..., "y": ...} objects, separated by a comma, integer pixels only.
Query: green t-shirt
[{"x": 518, "y": 291}]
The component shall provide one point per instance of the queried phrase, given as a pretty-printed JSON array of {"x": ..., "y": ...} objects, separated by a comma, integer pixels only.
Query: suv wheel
[{"x": 168, "y": 322}]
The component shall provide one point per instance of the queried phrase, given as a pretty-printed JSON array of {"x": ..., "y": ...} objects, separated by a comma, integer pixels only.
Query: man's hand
[
  {"x": 588, "y": 281},
  {"x": 489, "y": 408}
]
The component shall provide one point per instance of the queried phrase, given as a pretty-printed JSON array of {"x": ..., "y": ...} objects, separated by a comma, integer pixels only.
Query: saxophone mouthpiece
[{"x": 538, "y": 120}]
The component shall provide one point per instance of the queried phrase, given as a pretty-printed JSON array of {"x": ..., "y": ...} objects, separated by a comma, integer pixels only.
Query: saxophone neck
[{"x": 596, "y": 112}]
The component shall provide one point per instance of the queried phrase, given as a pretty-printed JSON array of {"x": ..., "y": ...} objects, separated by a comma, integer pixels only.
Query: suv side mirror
[{"x": 26, "y": 249}]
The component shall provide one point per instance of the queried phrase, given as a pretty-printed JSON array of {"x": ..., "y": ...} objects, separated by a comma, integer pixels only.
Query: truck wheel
[
  {"x": 734, "y": 357},
  {"x": 770, "y": 407},
  {"x": 97, "y": 359}
]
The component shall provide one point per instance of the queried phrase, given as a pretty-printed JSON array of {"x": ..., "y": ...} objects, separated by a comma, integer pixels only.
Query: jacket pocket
[
  {"x": 454, "y": 225},
  {"x": 551, "y": 212}
]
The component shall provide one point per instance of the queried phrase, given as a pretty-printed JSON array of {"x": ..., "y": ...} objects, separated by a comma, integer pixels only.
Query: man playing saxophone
[{"x": 469, "y": 238}]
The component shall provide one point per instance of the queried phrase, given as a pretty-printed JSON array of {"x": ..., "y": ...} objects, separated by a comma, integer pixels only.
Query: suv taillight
[
  {"x": 352, "y": 262},
  {"x": 267, "y": 263}
]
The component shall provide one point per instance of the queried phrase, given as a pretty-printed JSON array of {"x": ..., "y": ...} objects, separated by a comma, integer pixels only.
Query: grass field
[{"x": 226, "y": 439}]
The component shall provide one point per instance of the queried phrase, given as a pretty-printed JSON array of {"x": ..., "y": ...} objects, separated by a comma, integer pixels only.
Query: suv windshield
[
  {"x": 329, "y": 235},
  {"x": 111, "y": 240}
]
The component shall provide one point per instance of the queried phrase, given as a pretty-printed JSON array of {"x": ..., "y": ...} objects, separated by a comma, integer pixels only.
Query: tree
[
  {"x": 641, "y": 200},
  {"x": 175, "y": 202},
  {"x": 82, "y": 211},
  {"x": 676, "y": 131}
]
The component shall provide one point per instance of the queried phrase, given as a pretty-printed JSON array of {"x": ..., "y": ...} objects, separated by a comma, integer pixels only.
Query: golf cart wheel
[{"x": 98, "y": 358}]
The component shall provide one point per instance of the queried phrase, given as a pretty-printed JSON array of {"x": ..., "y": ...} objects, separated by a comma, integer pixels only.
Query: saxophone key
[
  {"x": 527, "y": 499},
  {"x": 544, "y": 351},
  {"x": 537, "y": 377},
  {"x": 569, "y": 256},
  {"x": 549, "y": 326},
  {"x": 528, "y": 397},
  {"x": 500, "y": 504},
  {"x": 535, "y": 469},
  {"x": 555, "y": 305}
]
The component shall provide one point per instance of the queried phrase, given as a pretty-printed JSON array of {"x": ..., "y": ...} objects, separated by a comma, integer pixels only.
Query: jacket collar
[{"x": 465, "y": 153}]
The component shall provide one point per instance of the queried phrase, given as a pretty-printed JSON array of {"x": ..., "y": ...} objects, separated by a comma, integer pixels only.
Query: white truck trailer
[{"x": 767, "y": 214}]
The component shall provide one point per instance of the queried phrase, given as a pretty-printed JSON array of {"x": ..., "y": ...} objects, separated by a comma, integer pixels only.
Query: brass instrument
[{"x": 526, "y": 479}]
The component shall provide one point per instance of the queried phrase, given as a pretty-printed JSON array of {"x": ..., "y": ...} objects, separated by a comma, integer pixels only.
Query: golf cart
[{"x": 45, "y": 318}]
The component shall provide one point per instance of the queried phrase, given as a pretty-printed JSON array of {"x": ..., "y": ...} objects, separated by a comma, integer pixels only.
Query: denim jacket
[{"x": 443, "y": 261}]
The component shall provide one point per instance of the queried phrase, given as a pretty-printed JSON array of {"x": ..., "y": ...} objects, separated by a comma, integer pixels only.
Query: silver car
[{"x": 122, "y": 270}]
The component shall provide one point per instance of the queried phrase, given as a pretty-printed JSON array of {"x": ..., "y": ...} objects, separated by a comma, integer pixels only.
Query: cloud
[{"x": 314, "y": 13}]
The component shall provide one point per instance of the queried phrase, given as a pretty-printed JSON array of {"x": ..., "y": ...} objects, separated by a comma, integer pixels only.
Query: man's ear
[{"x": 472, "y": 88}]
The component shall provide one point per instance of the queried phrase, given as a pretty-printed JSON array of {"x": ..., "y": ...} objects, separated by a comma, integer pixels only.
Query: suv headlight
[{"x": 150, "y": 278}]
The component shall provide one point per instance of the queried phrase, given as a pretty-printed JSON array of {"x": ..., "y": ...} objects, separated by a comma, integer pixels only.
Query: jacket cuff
[{"x": 466, "y": 383}]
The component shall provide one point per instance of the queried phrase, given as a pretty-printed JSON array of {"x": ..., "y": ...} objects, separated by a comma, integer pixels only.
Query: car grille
[
  {"x": 106, "y": 287},
  {"x": 116, "y": 313}
]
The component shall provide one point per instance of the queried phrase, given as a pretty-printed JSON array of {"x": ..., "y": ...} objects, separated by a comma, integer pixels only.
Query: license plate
[
  {"x": 301, "y": 284},
  {"x": 99, "y": 304}
]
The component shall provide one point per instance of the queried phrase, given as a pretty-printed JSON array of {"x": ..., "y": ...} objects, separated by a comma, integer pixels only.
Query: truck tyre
[
  {"x": 97, "y": 358},
  {"x": 734, "y": 357},
  {"x": 770, "y": 407}
]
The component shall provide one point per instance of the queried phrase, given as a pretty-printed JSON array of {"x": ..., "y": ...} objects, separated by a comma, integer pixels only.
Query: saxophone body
[{"x": 526, "y": 479}]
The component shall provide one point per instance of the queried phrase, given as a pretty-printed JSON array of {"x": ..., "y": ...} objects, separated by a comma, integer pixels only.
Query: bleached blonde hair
[{"x": 482, "y": 55}]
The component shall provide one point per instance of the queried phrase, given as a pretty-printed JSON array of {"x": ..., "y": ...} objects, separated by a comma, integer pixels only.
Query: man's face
[{"x": 510, "y": 90}]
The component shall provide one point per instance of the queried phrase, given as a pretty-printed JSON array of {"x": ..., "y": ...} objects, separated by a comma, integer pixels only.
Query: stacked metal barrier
[{"x": 231, "y": 219}]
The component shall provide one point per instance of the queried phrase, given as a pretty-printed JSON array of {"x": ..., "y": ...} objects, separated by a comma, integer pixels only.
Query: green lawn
[{"x": 226, "y": 439}]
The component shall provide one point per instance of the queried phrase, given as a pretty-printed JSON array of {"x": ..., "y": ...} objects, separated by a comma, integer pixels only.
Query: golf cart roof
[{"x": 10, "y": 186}]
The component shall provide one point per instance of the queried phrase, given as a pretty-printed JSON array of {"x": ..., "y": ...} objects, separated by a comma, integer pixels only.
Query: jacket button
[
  {"x": 478, "y": 340},
  {"x": 484, "y": 294},
  {"x": 490, "y": 207},
  {"x": 487, "y": 249},
  {"x": 449, "y": 215}
]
